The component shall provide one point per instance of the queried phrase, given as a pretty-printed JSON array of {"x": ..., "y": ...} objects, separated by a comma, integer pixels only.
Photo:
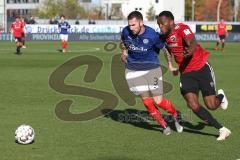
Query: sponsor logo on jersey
[
  {"x": 134, "y": 48},
  {"x": 173, "y": 38},
  {"x": 145, "y": 41}
]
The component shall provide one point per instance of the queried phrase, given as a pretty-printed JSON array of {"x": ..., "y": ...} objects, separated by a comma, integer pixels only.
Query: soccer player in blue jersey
[
  {"x": 141, "y": 45},
  {"x": 63, "y": 27}
]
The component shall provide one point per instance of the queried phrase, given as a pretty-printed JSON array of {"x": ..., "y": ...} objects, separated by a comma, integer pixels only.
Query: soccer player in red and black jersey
[
  {"x": 222, "y": 33},
  {"x": 196, "y": 74},
  {"x": 17, "y": 30}
]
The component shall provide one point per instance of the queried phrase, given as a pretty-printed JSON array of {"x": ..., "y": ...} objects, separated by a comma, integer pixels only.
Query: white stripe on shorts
[
  {"x": 212, "y": 74},
  {"x": 135, "y": 74}
]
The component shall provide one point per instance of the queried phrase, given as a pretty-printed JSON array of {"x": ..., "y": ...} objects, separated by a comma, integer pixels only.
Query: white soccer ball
[{"x": 24, "y": 134}]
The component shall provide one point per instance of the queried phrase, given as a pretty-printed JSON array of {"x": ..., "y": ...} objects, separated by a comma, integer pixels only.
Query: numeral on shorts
[{"x": 155, "y": 81}]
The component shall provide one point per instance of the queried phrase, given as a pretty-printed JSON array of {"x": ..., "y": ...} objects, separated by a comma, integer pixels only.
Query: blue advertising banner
[
  {"x": 233, "y": 37},
  {"x": 41, "y": 28}
]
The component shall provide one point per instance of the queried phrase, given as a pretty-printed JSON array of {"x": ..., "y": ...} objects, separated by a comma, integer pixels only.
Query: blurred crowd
[{"x": 55, "y": 21}]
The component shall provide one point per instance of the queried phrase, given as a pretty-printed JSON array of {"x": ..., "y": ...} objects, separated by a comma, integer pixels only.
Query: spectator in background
[
  {"x": 91, "y": 21},
  {"x": 51, "y": 21},
  {"x": 77, "y": 22},
  {"x": 55, "y": 21},
  {"x": 32, "y": 21}
]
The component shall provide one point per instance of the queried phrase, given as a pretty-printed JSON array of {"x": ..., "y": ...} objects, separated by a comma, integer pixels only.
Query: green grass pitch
[{"x": 26, "y": 97}]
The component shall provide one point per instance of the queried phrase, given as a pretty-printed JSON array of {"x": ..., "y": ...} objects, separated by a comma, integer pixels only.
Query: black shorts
[
  {"x": 18, "y": 39},
  {"x": 203, "y": 80},
  {"x": 222, "y": 37}
]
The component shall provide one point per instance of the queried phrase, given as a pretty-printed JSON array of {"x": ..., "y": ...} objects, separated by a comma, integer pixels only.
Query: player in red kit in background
[
  {"x": 196, "y": 74},
  {"x": 222, "y": 33},
  {"x": 17, "y": 30}
]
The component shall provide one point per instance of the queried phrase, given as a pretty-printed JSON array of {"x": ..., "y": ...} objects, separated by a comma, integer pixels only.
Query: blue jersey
[
  {"x": 142, "y": 49},
  {"x": 63, "y": 26}
]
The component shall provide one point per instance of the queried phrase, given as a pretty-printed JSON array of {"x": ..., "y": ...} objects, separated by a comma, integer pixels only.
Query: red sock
[
  {"x": 168, "y": 106},
  {"x": 66, "y": 44},
  {"x": 154, "y": 112},
  {"x": 62, "y": 44}
]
